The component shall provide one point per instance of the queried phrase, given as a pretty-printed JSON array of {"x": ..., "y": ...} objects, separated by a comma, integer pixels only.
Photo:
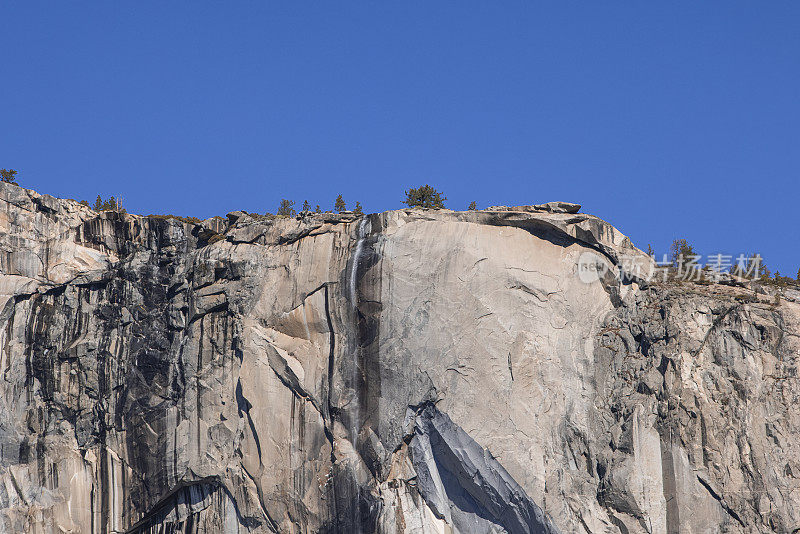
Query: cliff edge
[{"x": 407, "y": 371}]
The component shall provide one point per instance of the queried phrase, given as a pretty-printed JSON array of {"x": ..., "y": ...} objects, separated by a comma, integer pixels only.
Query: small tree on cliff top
[
  {"x": 682, "y": 254},
  {"x": 425, "y": 197},
  {"x": 763, "y": 271},
  {"x": 8, "y": 176},
  {"x": 112, "y": 204},
  {"x": 339, "y": 205},
  {"x": 286, "y": 208}
]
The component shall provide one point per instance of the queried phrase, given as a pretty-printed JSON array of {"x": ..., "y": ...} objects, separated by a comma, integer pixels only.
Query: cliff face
[{"x": 410, "y": 371}]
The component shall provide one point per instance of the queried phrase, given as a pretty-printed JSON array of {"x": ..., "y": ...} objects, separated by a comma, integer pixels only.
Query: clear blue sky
[{"x": 669, "y": 119}]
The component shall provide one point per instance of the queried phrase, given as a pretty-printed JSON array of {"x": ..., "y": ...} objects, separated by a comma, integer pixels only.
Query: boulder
[{"x": 558, "y": 207}]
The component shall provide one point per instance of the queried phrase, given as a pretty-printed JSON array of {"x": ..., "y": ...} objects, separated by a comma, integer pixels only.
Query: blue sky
[{"x": 669, "y": 119}]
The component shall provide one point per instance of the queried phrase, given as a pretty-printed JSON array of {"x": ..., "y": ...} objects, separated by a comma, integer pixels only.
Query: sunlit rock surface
[{"x": 405, "y": 372}]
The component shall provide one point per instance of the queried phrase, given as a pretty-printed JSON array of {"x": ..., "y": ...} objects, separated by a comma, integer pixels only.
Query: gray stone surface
[
  {"x": 464, "y": 485},
  {"x": 559, "y": 207},
  {"x": 411, "y": 371}
]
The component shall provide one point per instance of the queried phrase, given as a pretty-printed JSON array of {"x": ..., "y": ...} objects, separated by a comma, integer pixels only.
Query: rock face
[{"x": 404, "y": 372}]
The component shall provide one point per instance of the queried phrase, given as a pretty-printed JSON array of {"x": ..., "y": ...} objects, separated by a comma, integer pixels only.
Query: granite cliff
[{"x": 405, "y": 372}]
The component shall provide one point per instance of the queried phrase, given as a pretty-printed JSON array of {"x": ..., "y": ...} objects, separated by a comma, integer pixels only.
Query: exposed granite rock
[
  {"x": 550, "y": 207},
  {"x": 410, "y": 371},
  {"x": 559, "y": 207},
  {"x": 464, "y": 485}
]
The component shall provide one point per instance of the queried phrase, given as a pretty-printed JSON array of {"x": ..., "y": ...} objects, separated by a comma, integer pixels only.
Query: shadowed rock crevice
[
  {"x": 203, "y": 506},
  {"x": 465, "y": 486},
  {"x": 721, "y": 501}
]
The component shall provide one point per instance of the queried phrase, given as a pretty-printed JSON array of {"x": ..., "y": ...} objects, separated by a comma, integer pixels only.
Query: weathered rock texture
[{"x": 410, "y": 371}]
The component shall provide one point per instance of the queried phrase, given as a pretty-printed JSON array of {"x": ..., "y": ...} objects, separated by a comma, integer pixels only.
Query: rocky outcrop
[
  {"x": 409, "y": 371},
  {"x": 464, "y": 485}
]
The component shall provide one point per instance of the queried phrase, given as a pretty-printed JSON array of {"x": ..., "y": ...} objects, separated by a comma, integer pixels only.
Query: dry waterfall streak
[
  {"x": 363, "y": 230},
  {"x": 355, "y": 406},
  {"x": 360, "y": 236}
]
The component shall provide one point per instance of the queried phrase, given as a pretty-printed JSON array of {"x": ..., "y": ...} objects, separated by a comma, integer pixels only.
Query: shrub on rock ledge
[
  {"x": 8, "y": 176},
  {"x": 424, "y": 197}
]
